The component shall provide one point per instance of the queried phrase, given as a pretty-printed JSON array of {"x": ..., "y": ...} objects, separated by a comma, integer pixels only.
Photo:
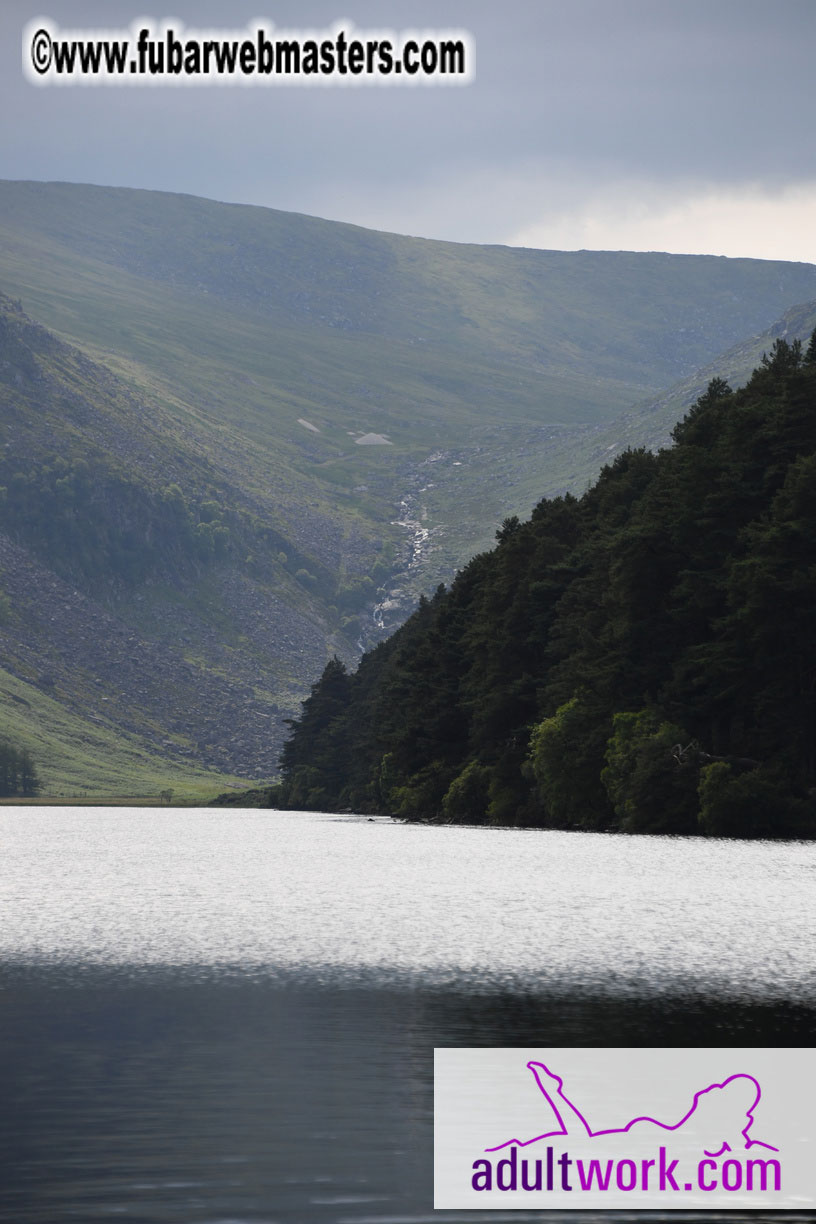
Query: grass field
[{"x": 79, "y": 759}]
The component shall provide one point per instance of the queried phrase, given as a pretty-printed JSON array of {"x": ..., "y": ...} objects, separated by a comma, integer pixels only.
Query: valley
[{"x": 238, "y": 441}]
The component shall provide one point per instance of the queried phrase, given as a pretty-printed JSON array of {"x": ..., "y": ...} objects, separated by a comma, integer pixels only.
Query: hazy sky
[{"x": 672, "y": 125}]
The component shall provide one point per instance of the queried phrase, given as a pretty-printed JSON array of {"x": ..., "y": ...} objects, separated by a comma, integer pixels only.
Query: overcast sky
[{"x": 673, "y": 125}]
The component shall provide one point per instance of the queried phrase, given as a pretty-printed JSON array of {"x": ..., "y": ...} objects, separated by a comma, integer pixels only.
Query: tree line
[
  {"x": 18, "y": 774},
  {"x": 89, "y": 520},
  {"x": 640, "y": 658}
]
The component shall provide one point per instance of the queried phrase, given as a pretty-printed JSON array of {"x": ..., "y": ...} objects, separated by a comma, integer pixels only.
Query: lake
[{"x": 216, "y": 1016}]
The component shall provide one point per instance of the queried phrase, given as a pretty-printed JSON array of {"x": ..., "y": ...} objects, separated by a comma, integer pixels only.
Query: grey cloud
[{"x": 584, "y": 92}]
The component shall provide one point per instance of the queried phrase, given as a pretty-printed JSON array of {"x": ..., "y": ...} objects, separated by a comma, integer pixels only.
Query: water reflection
[
  {"x": 209, "y": 1019},
  {"x": 164, "y": 1098}
]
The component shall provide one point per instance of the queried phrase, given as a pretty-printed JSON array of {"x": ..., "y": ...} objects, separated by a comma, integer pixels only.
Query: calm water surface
[{"x": 214, "y": 1017}]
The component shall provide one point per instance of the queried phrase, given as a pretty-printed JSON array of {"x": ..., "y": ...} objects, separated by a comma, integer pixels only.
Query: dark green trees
[
  {"x": 641, "y": 658},
  {"x": 18, "y": 774},
  {"x": 315, "y": 759}
]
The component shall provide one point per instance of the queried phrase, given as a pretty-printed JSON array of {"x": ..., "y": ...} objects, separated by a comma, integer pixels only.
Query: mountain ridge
[{"x": 217, "y": 366}]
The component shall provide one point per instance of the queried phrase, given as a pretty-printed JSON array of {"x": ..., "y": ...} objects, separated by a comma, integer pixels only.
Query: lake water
[{"x": 213, "y": 1017}]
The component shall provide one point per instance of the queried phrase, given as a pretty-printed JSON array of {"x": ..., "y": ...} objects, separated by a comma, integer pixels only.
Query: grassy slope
[
  {"x": 240, "y": 320},
  {"x": 195, "y": 666},
  {"x": 78, "y": 757},
  {"x": 529, "y": 332},
  {"x": 574, "y": 465}
]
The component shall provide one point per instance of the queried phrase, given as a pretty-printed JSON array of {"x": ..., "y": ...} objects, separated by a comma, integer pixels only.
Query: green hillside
[
  {"x": 145, "y": 597},
  {"x": 570, "y": 460},
  {"x": 90, "y": 756},
  {"x": 249, "y": 439},
  {"x": 243, "y": 322},
  {"x": 634, "y": 321}
]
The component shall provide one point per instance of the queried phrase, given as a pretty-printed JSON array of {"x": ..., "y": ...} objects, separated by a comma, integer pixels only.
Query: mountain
[
  {"x": 246, "y": 322},
  {"x": 248, "y": 440}
]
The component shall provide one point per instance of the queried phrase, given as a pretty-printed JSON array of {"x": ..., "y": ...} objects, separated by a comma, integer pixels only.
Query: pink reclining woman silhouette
[{"x": 715, "y": 1115}]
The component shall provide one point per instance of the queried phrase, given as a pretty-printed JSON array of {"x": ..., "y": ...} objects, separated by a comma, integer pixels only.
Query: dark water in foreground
[{"x": 212, "y": 1019}]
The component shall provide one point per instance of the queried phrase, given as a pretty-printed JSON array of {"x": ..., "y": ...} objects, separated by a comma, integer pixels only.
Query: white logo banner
[{"x": 682, "y": 1129}]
